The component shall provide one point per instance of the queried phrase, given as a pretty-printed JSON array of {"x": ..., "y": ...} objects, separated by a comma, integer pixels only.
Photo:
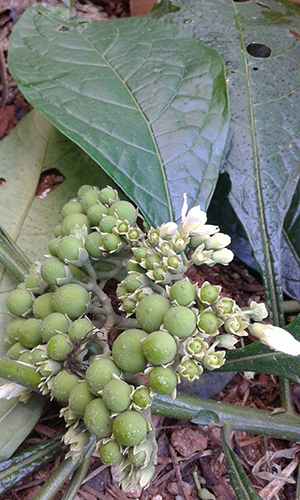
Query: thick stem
[
  {"x": 20, "y": 373},
  {"x": 14, "y": 266},
  {"x": 281, "y": 425}
]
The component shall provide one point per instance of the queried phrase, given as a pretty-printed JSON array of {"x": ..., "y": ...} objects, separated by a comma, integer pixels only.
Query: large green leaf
[
  {"x": 259, "y": 358},
  {"x": 146, "y": 102},
  {"x": 262, "y": 150},
  {"x": 35, "y": 145}
]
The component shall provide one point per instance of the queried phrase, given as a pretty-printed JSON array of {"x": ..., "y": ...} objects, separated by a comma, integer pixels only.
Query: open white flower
[
  {"x": 193, "y": 222},
  {"x": 276, "y": 338}
]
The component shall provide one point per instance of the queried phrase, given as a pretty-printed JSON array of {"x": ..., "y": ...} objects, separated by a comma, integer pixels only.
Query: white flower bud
[
  {"x": 276, "y": 338},
  {"x": 194, "y": 222},
  {"x": 223, "y": 256},
  {"x": 167, "y": 230},
  {"x": 217, "y": 241}
]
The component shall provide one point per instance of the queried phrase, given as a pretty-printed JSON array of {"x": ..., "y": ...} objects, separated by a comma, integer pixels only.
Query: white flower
[
  {"x": 276, "y": 338},
  {"x": 167, "y": 230},
  {"x": 218, "y": 241},
  {"x": 194, "y": 222},
  {"x": 13, "y": 390}
]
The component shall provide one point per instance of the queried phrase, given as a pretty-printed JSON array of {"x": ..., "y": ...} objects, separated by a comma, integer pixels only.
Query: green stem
[
  {"x": 285, "y": 395},
  {"x": 281, "y": 425},
  {"x": 56, "y": 480},
  {"x": 80, "y": 473},
  {"x": 19, "y": 373},
  {"x": 12, "y": 264}
]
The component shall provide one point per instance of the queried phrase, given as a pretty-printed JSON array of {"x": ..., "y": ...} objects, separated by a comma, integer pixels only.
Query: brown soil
[{"x": 187, "y": 454}]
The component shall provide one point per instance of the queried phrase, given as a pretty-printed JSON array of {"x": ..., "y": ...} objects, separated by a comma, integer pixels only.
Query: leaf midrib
[
  {"x": 263, "y": 225},
  {"x": 142, "y": 114}
]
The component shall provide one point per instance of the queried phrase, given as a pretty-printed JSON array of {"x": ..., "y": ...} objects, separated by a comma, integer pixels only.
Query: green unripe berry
[
  {"x": 208, "y": 293},
  {"x": 151, "y": 311},
  {"x": 95, "y": 213},
  {"x": 73, "y": 222},
  {"x": 96, "y": 419},
  {"x": 130, "y": 428},
  {"x": 15, "y": 351},
  {"x": 79, "y": 398},
  {"x": 37, "y": 355},
  {"x": 183, "y": 292},
  {"x": 141, "y": 397},
  {"x": 174, "y": 262},
  {"x": 72, "y": 207},
  {"x": 31, "y": 281},
  {"x": 128, "y": 305},
  {"x": 29, "y": 333},
  {"x": 83, "y": 190},
  {"x": 53, "y": 324},
  {"x": 57, "y": 231},
  {"x": 52, "y": 269},
  {"x": 19, "y": 302},
  {"x": 25, "y": 357},
  {"x": 159, "y": 348},
  {"x": 89, "y": 199},
  {"x": 68, "y": 248},
  {"x": 124, "y": 211},
  {"x": 71, "y": 299},
  {"x": 108, "y": 195},
  {"x": 111, "y": 242},
  {"x": 180, "y": 321},
  {"x": 58, "y": 347},
  {"x": 132, "y": 266},
  {"x": 116, "y": 395},
  {"x": 127, "y": 351},
  {"x": 132, "y": 282},
  {"x": 137, "y": 459},
  {"x": 140, "y": 253},
  {"x": 121, "y": 290},
  {"x": 151, "y": 259},
  {"x": 190, "y": 369},
  {"x": 99, "y": 373},
  {"x": 53, "y": 246},
  {"x": 49, "y": 368},
  {"x": 159, "y": 273},
  {"x": 208, "y": 322},
  {"x": 110, "y": 453},
  {"x": 80, "y": 328},
  {"x": 162, "y": 380},
  {"x": 62, "y": 385},
  {"x": 13, "y": 327},
  {"x": 42, "y": 306},
  {"x": 107, "y": 223}
]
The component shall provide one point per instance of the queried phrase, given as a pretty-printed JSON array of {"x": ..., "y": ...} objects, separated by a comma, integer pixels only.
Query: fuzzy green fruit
[
  {"x": 79, "y": 398},
  {"x": 110, "y": 453},
  {"x": 58, "y": 347},
  {"x": 53, "y": 269},
  {"x": 180, "y": 321},
  {"x": 68, "y": 248},
  {"x": 62, "y": 385},
  {"x": 130, "y": 428},
  {"x": 72, "y": 207},
  {"x": 42, "y": 306},
  {"x": 163, "y": 380},
  {"x": 71, "y": 299},
  {"x": 159, "y": 348},
  {"x": 19, "y": 302},
  {"x": 127, "y": 351},
  {"x": 89, "y": 199},
  {"x": 95, "y": 213},
  {"x": 151, "y": 311},
  {"x": 108, "y": 195},
  {"x": 116, "y": 395},
  {"x": 208, "y": 322},
  {"x": 99, "y": 373},
  {"x": 183, "y": 292},
  {"x": 29, "y": 333},
  {"x": 80, "y": 328},
  {"x": 96, "y": 419},
  {"x": 52, "y": 324},
  {"x": 107, "y": 223},
  {"x": 13, "y": 327},
  {"x": 73, "y": 222},
  {"x": 124, "y": 210}
]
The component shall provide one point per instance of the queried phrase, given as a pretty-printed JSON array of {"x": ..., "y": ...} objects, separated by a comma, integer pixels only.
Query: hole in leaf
[
  {"x": 240, "y": 1},
  {"x": 63, "y": 28},
  {"x": 2, "y": 181},
  {"x": 49, "y": 180},
  {"x": 255, "y": 68},
  {"x": 258, "y": 50}
]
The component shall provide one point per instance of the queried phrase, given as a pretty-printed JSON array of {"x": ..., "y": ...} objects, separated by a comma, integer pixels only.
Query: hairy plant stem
[{"x": 284, "y": 425}]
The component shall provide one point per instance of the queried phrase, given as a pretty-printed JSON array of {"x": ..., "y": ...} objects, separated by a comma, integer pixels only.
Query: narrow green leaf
[
  {"x": 206, "y": 418},
  {"x": 146, "y": 102},
  {"x": 239, "y": 480},
  {"x": 80, "y": 473},
  {"x": 34, "y": 146},
  {"x": 261, "y": 359},
  {"x": 26, "y": 462},
  {"x": 262, "y": 150},
  {"x": 56, "y": 480}
]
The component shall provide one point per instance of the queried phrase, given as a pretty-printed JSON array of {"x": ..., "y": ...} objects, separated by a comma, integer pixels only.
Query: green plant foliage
[
  {"x": 141, "y": 98},
  {"x": 34, "y": 146},
  {"x": 262, "y": 155},
  {"x": 261, "y": 359}
]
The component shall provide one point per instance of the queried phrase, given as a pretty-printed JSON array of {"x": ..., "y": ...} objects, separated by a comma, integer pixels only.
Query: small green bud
[
  {"x": 189, "y": 369},
  {"x": 213, "y": 359},
  {"x": 141, "y": 397},
  {"x": 209, "y": 323},
  {"x": 183, "y": 291}
]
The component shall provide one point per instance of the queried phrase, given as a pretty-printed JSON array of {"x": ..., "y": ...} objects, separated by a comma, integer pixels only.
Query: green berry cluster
[{"x": 171, "y": 329}]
